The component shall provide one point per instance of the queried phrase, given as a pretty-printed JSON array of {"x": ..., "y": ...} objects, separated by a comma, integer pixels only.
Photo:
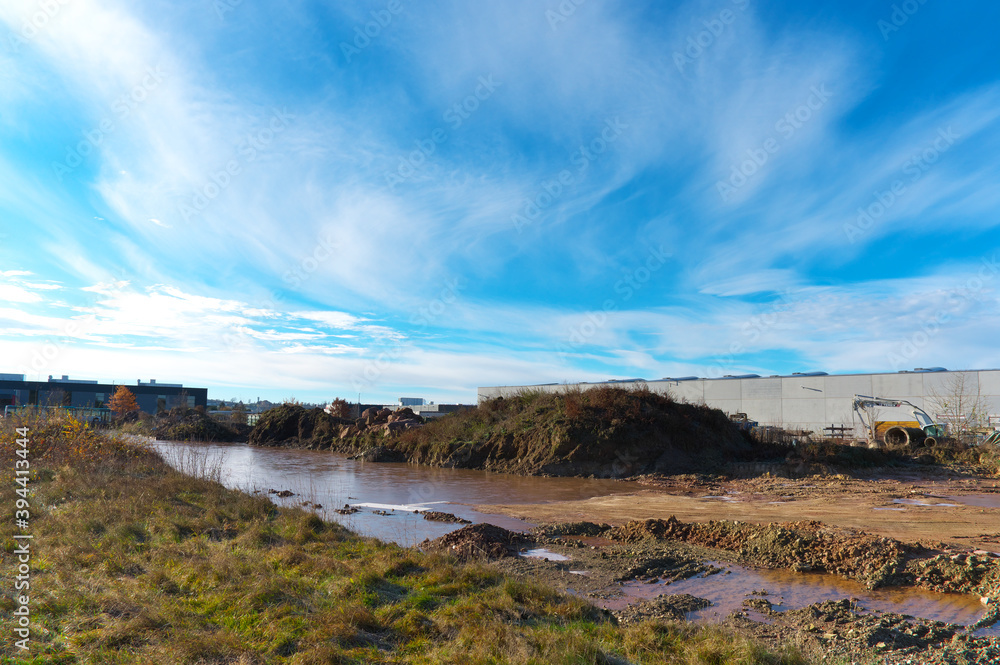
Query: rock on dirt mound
[{"x": 478, "y": 541}]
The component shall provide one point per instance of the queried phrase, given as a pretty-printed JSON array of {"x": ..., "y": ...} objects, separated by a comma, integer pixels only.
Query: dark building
[{"x": 151, "y": 396}]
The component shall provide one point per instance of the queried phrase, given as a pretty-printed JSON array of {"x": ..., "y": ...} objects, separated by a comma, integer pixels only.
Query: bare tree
[{"x": 960, "y": 405}]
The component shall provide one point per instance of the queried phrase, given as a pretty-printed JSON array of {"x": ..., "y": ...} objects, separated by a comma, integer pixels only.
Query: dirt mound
[
  {"x": 801, "y": 546},
  {"x": 570, "y": 529},
  {"x": 844, "y": 624},
  {"x": 602, "y": 432},
  {"x": 478, "y": 541},
  {"x": 294, "y": 426},
  {"x": 960, "y": 573},
  {"x": 675, "y": 607},
  {"x": 195, "y": 426},
  {"x": 439, "y": 516}
]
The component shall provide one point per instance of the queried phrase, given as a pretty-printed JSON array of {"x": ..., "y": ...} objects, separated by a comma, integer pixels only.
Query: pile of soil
[
  {"x": 801, "y": 546},
  {"x": 439, "y": 516},
  {"x": 875, "y": 561},
  {"x": 676, "y": 607},
  {"x": 841, "y": 628},
  {"x": 196, "y": 426},
  {"x": 603, "y": 432},
  {"x": 960, "y": 573},
  {"x": 570, "y": 529},
  {"x": 291, "y": 425},
  {"x": 478, "y": 541}
]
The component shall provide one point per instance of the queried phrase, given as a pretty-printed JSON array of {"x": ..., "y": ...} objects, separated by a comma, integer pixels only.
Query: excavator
[{"x": 927, "y": 433}]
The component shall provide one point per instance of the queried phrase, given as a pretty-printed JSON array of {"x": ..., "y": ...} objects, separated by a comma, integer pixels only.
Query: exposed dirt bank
[
  {"x": 961, "y": 511},
  {"x": 604, "y": 432}
]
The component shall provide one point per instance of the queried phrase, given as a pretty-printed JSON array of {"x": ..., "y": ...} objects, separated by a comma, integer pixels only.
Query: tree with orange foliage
[
  {"x": 123, "y": 402},
  {"x": 339, "y": 408}
]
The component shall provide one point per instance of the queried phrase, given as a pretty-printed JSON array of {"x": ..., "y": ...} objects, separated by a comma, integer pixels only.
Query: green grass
[{"x": 135, "y": 563}]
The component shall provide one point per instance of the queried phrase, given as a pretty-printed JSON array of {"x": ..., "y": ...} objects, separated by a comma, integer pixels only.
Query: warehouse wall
[{"x": 809, "y": 403}]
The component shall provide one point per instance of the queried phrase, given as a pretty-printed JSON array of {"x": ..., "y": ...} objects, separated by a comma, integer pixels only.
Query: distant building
[
  {"x": 152, "y": 397},
  {"x": 427, "y": 410},
  {"x": 811, "y": 401}
]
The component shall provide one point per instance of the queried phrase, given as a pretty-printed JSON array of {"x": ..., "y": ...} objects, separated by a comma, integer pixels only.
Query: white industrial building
[{"x": 816, "y": 401}]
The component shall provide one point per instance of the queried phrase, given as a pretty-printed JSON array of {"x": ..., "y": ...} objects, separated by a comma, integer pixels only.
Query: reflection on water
[
  {"x": 542, "y": 553},
  {"x": 920, "y": 502},
  {"x": 787, "y": 590},
  {"x": 977, "y": 500},
  {"x": 332, "y": 480}
]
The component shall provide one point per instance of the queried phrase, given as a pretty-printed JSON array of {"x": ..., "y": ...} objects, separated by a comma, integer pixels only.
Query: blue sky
[{"x": 325, "y": 199}]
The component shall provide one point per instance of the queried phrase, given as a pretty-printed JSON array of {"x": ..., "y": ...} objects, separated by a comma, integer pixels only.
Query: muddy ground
[
  {"x": 885, "y": 504},
  {"x": 628, "y": 552}
]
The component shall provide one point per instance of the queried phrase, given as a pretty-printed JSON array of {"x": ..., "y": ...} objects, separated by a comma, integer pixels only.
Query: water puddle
[
  {"x": 889, "y": 508},
  {"x": 977, "y": 500},
  {"x": 787, "y": 590},
  {"x": 542, "y": 553},
  {"x": 385, "y": 494},
  {"x": 401, "y": 507},
  {"x": 919, "y": 502}
]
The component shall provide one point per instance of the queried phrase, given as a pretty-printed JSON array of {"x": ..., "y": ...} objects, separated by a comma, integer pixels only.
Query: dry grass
[{"x": 135, "y": 563}]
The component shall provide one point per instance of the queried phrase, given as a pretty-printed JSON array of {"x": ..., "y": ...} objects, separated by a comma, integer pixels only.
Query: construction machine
[{"x": 899, "y": 434}]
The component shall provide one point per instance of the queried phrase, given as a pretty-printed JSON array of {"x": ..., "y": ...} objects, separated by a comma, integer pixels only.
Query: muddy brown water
[
  {"x": 788, "y": 590},
  {"x": 332, "y": 480},
  {"x": 396, "y": 490}
]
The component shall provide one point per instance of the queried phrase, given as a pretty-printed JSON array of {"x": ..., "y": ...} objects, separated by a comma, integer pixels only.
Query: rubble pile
[{"x": 478, "y": 541}]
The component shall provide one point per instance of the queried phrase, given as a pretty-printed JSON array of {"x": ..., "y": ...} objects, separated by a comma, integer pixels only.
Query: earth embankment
[{"x": 602, "y": 432}]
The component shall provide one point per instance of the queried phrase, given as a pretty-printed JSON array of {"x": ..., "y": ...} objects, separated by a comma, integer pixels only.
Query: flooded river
[{"x": 331, "y": 480}]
